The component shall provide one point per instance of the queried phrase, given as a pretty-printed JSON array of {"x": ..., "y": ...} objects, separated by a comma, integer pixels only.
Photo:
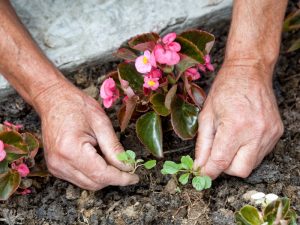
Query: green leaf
[
  {"x": 251, "y": 214},
  {"x": 184, "y": 178},
  {"x": 240, "y": 220},
  {"x": 131, "y": 154},
  {"x": 126, "y": 54},
  {"x": 32, "y": 144},
  {"x": 13, "y": 142},
  {"x": 158, "y": 104},
  {"x": 184, "y": 118},
  {"x": 187, "y": 162},
  {"x": 198, "y": 183},
  {"x": 271, "y": 209},
  {"x": 129, "y": 73},
  {"x": 203, "y": 40},
  {"x": 9, "y": 183},
  {"x": 10, "y": 157},
  {"x": 149, "y": 131},
  {"x": 122, "y": 156},
  {"x": 208, "y": 182},
  {"x": 171, "y": 167},
  {"x": 4, "y": 166},
  {"x": 150, "y": 164},
  {"x": 189, "y": 49},
  {"x": 139, "y": 161},
  {"x": 144, "y": 41}
]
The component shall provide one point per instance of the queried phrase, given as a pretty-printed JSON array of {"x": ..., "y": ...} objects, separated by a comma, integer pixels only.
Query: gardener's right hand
[{"x": 73, "y": 124}]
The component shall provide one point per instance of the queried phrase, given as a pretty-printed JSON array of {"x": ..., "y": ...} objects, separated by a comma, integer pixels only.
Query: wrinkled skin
[
  {"x": 73, "y": 124},
  {"x": 239, "y": 124}
]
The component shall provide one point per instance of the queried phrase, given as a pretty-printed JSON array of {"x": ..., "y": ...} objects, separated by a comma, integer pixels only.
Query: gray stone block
[{"x": 72, "y": 33}]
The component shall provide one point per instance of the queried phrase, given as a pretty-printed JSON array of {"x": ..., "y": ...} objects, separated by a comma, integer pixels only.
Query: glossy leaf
[
  {"x": 3, "y": 166},
  {"x": 149, "y": 131},
  {"x": 13, "y": 142},
  {"x": 32, "y": 144},
  {"x": 150, "y": 164},
  {"x": 143, "y": 42},
  {"x": 129, "y": 73},
  {"x": 190, "y": 49},
  {"x": 197, "y": 94},
  {"x": 126, "y": 54},
  {"x": 171, "y": 167},
  {"x": 251, "y": 214},
  {"x": 169, "y": 97},
  {"x": 184, "y": 178},
  {"x": 203, "y": 40},
  {"x": 158, "y": 104},
  {"x": 187, "y": 162},
  {"x": 9, "y": 183},
  {"x": 184, "y": 118},
  {"x": 198, "y": 183}
]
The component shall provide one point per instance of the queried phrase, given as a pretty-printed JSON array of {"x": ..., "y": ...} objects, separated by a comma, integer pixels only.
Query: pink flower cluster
[
  {"x": 109, "y": 92},
  {"x": 165, "y": 54},
  {"x": 22, "y": 169}
]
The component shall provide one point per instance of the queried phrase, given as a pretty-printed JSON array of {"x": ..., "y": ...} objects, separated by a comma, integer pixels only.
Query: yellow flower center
[
  {"x": 145, "y": 60},
  {"x": 151, "y": 83}
]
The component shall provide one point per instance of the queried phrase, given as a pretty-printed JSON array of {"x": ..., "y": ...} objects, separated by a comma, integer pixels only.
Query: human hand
[
  {"x": 73, "y": 124},
  {"x": 239, "y": 124}
]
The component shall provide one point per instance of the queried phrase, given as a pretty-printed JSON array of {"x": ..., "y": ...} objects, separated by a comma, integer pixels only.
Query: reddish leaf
[
  {"x": 196, "y": 93},
  {"x": 32, "y": 144},
  {"x": 203, "y": 40},
  {"x": 126, "y": 111},
  {"x": 185, "y": 63},
  {"x": 145, "y": 46},
  {"x": 125, "y": 53},
  {"x": 9, "y": 183},
  {"x": 170, "y": 95},
  {"x": 128, "y": 73},
  {"x": 189, "y": 49},
  {"x": 142, "y": 39}
]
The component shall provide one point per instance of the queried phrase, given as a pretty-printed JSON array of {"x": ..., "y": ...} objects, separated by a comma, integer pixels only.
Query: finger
[
  {"x": 206, "y": 133},
  {"x": 244, "y": 162},
  {"x": 93, "y": 166},
  {"x": 66, "y": 172},
  {"x": 109, "y": 143},
  {"x": 225, "y": 146}
]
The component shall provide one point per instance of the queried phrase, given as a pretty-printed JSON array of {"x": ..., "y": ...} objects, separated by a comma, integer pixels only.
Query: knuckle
[
  {"x": 260, "y": 125},
  {"x": 221, "y": 164}
]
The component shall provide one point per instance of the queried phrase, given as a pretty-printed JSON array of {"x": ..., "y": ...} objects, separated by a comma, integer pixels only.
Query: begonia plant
[
  {"x": 156, "y": 82},
  {"x": 17, "y": 152}
]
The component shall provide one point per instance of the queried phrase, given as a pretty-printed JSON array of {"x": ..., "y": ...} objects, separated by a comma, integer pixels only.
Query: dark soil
[{"x": 152, "y": 201}]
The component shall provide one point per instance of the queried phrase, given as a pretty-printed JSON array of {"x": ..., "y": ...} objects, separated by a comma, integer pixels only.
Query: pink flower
[
  {"x": 144, "y": 63},
  {"x": 151, "y": 83},
  {"x": 207, "y": 64},
  {"x": 2, "y": 151},
  {"x": 155, "y": 73},
  {"x": 192, "y": 74},
  {"x": 21, "y": 168},
  {"x": 166, "y": 56},
  {"x": 166, "y": 53},
  {"x": 11, "y": 126},
  {"x": 109, "y": 92}
]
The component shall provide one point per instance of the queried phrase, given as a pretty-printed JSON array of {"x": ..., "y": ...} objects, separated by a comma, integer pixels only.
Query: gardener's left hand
[{"x": 239, "y": 123}]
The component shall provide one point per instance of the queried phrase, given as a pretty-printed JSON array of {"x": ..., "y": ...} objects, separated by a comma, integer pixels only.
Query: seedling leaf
[
  {"x": 198, "y": 183},
  {"x": 187, "y": 162},
  {"x": 184, "y": 178},
  {"x": 150, "y": 164}
]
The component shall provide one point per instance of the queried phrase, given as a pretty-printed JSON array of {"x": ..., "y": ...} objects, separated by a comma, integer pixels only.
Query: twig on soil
[{"x": 185, "y": 148}]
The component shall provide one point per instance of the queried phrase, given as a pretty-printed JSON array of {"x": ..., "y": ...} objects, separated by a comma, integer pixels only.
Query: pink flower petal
[
  {"x": 2, "y": 151},
  {"x": 107, "y": 102},
  {"x": 107, "y": 88},
  {"x": 167, "y": 39},
  {"x": 174, "y": 46},
  {"x": 141, "y": 66},
  {"x": 22, "y": 169}
]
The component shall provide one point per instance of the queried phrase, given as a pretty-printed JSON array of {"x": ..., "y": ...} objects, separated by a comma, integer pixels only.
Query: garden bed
[{"x": 153, "y": 200}]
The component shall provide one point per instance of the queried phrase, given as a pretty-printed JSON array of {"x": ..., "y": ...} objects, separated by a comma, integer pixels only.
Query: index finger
[{"x": 94, "y": 167}]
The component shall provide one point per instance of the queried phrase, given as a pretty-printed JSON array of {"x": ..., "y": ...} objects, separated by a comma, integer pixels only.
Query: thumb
[{"x": 204, "y": 142}]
